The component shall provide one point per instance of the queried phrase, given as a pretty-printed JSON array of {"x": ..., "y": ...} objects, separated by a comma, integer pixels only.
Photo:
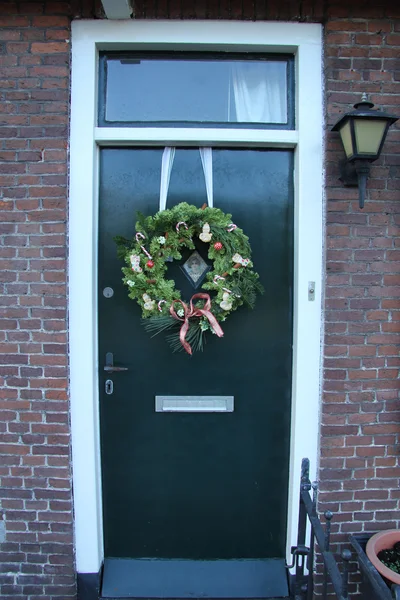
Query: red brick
[
  {"x": 393, "y": 39},
  {"x": 49, "y": 47},
  {"x": 377, "y": 315},
  {"x": 341, "y": 39},
  {"x": 14, "y": 21},
  {"x": 50, "y": 21}
]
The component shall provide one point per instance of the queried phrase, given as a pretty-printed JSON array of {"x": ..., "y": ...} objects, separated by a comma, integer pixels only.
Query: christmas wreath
[{"x": 162, "y": 238}]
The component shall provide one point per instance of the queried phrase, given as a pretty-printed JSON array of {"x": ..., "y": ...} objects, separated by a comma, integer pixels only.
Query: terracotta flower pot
[{"x": 384, "y": 540}]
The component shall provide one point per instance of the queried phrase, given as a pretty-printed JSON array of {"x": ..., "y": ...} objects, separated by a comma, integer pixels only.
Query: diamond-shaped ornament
[{"x": 195, "y": 269}]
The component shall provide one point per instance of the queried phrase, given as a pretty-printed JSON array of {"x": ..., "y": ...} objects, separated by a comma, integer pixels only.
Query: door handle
[{"x": 109, "y": 366}]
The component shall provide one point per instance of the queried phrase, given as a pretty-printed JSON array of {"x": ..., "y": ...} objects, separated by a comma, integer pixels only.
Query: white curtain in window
[{"x": 260, "y": 92}]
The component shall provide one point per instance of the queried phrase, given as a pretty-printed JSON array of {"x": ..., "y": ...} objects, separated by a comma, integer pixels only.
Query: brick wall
[
  {"x": 37, "y": 558},
  {"x": 360, "y": 424},
  {"x": 359, "y": 472}
]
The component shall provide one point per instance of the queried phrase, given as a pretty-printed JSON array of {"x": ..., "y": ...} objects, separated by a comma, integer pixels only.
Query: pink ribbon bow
[{"x": 192, "y": 311}]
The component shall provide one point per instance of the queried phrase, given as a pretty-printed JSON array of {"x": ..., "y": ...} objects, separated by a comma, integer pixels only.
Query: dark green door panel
[{"x": 212, "y": 485}]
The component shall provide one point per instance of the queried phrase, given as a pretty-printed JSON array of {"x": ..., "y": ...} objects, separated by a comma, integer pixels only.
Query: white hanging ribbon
[
  {"x": 166, "y": 168},
  {"x": 206, "y": 161}
]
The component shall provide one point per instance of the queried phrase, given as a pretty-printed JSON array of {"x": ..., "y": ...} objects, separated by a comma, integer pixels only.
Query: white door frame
[{"x": 88, "y": 37}]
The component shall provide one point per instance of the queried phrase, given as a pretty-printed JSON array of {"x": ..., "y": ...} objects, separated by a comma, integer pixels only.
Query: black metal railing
[{"x": 303, "y": 555}]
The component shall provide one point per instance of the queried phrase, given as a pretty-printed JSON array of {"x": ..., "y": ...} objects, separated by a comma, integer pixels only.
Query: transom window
[{"x": 228, "y": 90}]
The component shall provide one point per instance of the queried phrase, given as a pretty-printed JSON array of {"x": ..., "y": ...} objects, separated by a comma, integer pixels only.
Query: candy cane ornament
[
  {"x": 218, "y": 278},
  {"x": 146, "y": 253},
  {"x": 139, "y": 236},
  {"x": 160, "y": 304},
  {"x": 179, "y": 224}
]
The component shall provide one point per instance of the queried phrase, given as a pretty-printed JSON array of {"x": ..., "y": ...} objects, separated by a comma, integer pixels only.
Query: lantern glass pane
[
  {"x": 368, "y": 134},
  {"x": 345, "y": 134}
]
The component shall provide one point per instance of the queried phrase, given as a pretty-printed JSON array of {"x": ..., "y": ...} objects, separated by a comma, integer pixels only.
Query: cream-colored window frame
[{"x": 88, "y": 38}]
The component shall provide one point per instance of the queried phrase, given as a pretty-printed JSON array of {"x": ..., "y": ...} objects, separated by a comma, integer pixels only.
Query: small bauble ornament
[
  {"x": 218, "y": 246},
  {"x": 150, "y": 264}
]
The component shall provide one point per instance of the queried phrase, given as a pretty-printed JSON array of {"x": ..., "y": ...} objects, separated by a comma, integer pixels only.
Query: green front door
[{"x": 195, "y": 504}]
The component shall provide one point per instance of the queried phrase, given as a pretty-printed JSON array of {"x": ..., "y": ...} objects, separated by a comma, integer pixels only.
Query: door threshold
[{"x": 258, "y": 579}]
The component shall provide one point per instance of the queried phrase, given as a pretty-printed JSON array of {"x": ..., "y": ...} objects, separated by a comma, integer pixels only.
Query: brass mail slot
[{"x": 194, "y": 403}]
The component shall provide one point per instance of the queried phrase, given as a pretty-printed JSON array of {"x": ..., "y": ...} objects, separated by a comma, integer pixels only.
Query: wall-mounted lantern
[{"x": 363, "y": 132}]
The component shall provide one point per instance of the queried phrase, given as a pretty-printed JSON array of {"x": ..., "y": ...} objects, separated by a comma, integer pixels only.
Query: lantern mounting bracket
[
  {"x": 355, "y": 174},
  {"x": 348, "y": 173},
  {"x": 362, "y": 169}
]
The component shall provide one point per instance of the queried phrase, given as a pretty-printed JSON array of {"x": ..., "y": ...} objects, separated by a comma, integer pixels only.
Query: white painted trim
[
  {"x": 308, "y": 244},
  {"x": 117, "y": 9},
  {"x": 82, "y": 309},
  {"x": 305, "y": 41},
  {"x": 278, "y": 37},
  {"x": 122, "y": 136}
]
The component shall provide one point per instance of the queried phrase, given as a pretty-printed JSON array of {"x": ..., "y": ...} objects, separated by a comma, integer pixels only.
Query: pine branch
[
  {"x": 195, "y": 337},
  {"x": 156, "y": 325},
  {"x": 228, "y": 239},
  {"x": 123, "y": 246},
  {"x": 141, "y": 222},
  {"x": 247, "y": 287}
]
